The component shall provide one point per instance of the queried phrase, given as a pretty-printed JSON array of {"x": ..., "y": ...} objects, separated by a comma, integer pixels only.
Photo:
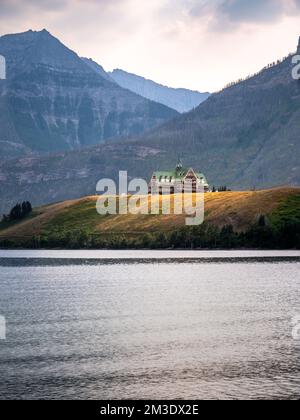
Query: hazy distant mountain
[
  {"x": 54, "y": 101},
  {"x": 244, "y": 137},
  {"x": 183, "y": 100}
]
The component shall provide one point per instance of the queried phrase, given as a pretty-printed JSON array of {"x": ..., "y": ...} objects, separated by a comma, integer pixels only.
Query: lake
[{"x": 149, "y": 325}]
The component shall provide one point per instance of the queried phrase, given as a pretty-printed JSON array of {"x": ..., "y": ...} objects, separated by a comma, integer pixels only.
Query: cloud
[
  {"x": 30, "y": 8},
  {"x": 175, "y": 42},
  {"x": 83, "y": 18},
  {"x": 230, "y": 14},
  {"x": 16, "y": 7},
  {"x": 251, "y": 11}
]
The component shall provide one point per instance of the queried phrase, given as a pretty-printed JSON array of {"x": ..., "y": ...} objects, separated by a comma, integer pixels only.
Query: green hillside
[{"x": 269, "y": 218}]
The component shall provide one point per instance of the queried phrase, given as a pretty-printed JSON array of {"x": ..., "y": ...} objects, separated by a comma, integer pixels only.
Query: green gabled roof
[
  {"x": 163, "y": 174},
  {"x": 178, "y": 175},
  {"x": 174, "y": 175},
  {"x": 199, "y": 175}
]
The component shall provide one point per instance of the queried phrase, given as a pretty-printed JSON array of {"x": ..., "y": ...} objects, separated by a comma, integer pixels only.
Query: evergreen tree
[
  {"x": 262, "y": 221},
  {"x": 16, "y": 212},
  {"x": 26, "y": 208}
]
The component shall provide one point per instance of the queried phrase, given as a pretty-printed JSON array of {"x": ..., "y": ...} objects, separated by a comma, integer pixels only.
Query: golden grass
[{"x": 239, "y": 209}]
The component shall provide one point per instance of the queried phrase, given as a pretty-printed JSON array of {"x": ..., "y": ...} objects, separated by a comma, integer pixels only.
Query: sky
[{"x": 196, "y": 44}]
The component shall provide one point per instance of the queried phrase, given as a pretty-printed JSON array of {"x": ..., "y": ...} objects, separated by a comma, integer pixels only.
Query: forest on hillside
[{"x": 260, "y": 235}]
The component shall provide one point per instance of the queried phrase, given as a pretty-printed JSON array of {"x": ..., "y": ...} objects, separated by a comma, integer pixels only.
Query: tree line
[
  {"x": 261, "y": 235},
  {"x": 222, "y": 188},
  {"x": 18, "y": 212},
  {"x": 250, "y": 76}
]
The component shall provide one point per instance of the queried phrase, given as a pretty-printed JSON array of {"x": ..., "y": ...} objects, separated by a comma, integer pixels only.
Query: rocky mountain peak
[{"x": 52, "y": 100}]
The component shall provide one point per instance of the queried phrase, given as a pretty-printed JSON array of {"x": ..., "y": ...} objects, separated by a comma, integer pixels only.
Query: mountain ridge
[
  {"x": 245, "y": 137},
  {"x": 55, "y": 101},
  {"x": 183, "y": 100},
  {"x": 98, "y": 68}
]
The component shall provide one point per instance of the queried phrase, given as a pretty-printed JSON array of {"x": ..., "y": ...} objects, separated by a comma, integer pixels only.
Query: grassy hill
[{"x": 77, "y": 224}]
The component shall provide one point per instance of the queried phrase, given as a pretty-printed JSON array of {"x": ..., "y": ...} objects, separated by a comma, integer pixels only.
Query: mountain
[
  {"x": 53, "y": 101},
  {"x": 183, "y": 100},
  {"x": 245, "y": 137}
]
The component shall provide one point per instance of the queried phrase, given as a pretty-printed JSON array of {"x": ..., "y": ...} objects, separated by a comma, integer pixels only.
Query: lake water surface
[{"x": 138, "y": 325}]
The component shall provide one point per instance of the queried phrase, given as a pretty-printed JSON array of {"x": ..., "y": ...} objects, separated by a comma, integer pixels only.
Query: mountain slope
[
  {"x": 245, "y": 136},
  {"x": 183, "y": 100},
  {"x": 97, "y": 68},
  {"x": 54, "y": 101}
]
